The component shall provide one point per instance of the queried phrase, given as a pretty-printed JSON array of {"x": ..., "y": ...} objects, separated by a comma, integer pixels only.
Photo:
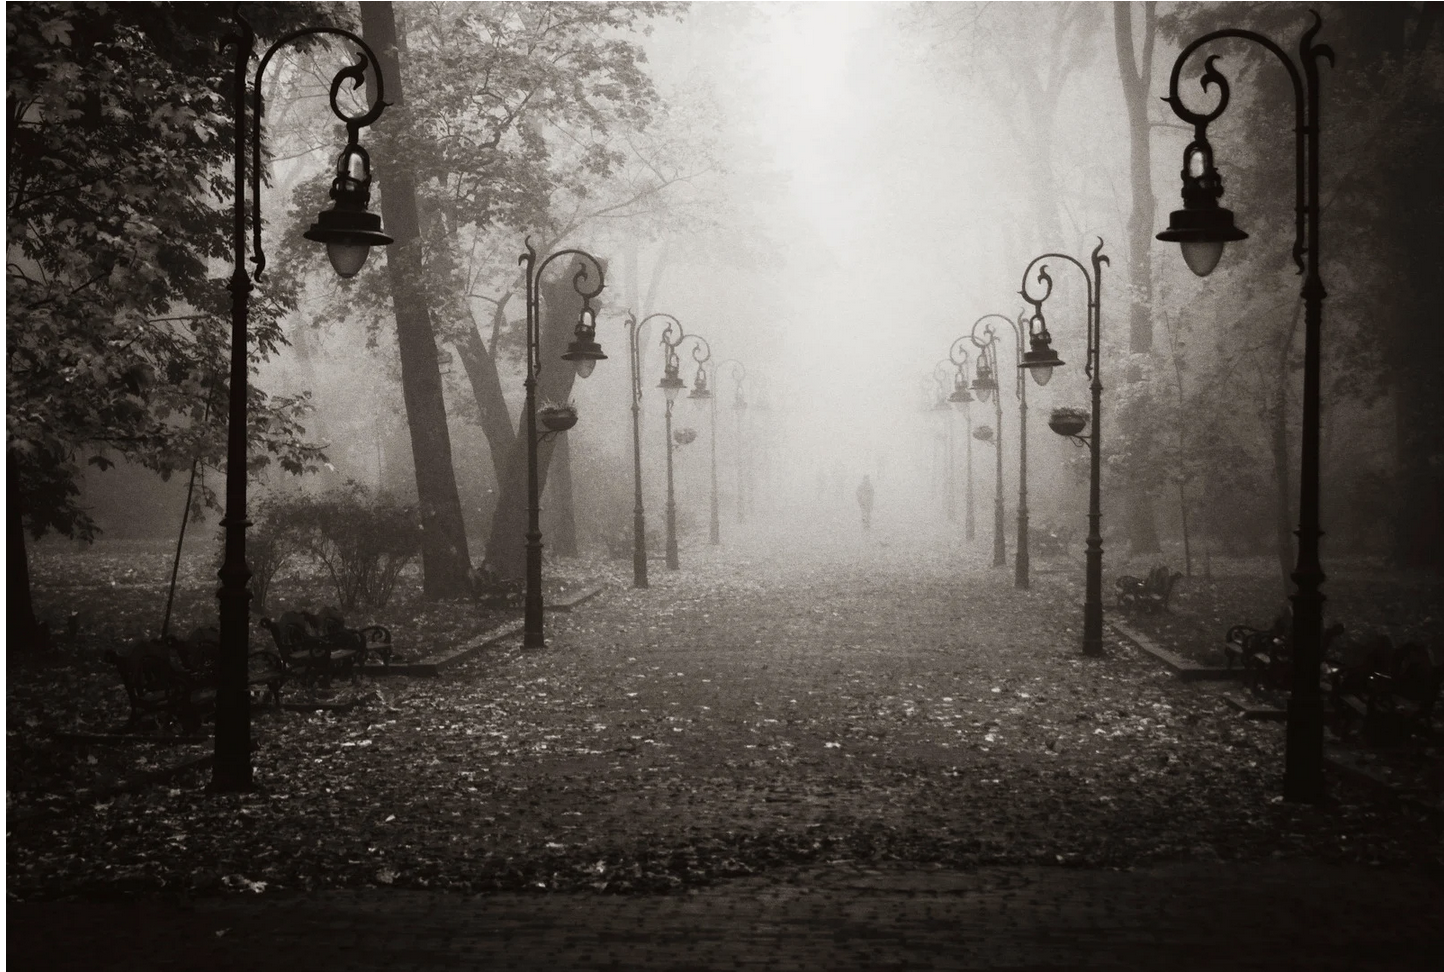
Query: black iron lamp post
[
  {"x": 988, "y": 339},
  {"x": 349, "y": 231},
  {"x": 707, "y": 368},
  {"x": 1040, "y": 359},
  {"x": 941, "y": 374},
  {"x": 639, "y": 520},
  {"x": 1202, "y": 227},
  {"x": 984, "y": 385},
  {"x": 671, "y": 384},
  {"x": 583, "y": 352},
  {"x": 702, "y": 354},
  {"x": 739, "y": 405},
  {"x": 961, "y": 399}
]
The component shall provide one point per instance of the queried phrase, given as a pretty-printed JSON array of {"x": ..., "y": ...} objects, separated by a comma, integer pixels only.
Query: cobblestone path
[{"x": 831, "y": 751}]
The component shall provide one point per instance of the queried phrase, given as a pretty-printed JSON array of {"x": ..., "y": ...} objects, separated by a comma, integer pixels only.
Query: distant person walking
[{"x": 864, "y": 501}]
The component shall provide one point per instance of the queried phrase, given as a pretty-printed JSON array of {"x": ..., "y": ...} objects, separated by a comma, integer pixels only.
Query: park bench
[
  {"x": 1052, "y": 543},
  {"x": 1150, "y": 594},
  {"x": 1266, "y": 655},
  {"x": 1389, "y": 691},
  {"x": 316, "y": 647},
  {"x": 174, "y": 678}
]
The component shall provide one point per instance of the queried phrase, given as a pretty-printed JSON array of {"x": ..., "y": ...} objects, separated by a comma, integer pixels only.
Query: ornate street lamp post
[
  {"x": 1041, "y": 359},
  {"x": 671, "y": 384},
  {"x": 941, "y": 375},
  {"x": 702, "y": 391},
  {"x": 961, "y": 398},
  {"x": 583, "y": 352},
  {"x": 984, "y": 384},
  {"x": 349, "y": 231},
  {"x": 739, "y": 405},
  {"x": 702, "y": 354},
  {"x": 1202, "y": 227},
  {"x": 988, "y": 338},
  {"x": 639, "y": 520}
]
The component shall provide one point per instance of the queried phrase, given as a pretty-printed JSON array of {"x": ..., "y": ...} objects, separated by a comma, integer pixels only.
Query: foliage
[
  {"x": 1381, "y": 205},
  {"x": 117, "y": 330},
  {"x": 363, "y": 542},
  {"x": 273, "y": 541}
]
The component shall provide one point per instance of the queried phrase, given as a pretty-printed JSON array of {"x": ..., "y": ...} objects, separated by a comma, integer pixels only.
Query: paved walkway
[
  {"x": 833, "y": 681},
  {"x": 1180, "y": 917}
]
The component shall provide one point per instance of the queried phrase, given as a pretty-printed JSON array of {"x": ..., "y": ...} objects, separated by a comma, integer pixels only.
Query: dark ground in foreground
[{"x": 827, "y": 701}]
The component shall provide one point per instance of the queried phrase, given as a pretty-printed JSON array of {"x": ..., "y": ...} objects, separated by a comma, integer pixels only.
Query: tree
[
  {"x": 1135, "y": 71},
  {"x": 117, "y": 328},
  {"x": 1382, "y": 124},
  {"x": 445, "y": 561},
  {"x": 528, "y": 120}
]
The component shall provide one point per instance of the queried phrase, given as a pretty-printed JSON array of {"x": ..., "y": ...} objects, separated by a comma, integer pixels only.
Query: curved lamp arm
[
  {"x": 1039, "y": 339},
  {"x": 586, "y": 328},
  {"x": 245, "y": 42},
  {"x": 1202, "y": 188}
]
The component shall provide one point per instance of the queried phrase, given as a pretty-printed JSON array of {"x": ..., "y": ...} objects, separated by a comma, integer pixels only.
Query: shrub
[{"x": 364, "y": 542}]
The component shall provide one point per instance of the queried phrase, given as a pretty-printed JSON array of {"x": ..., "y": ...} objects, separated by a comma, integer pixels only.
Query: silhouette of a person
[{"x": 864, "y": 501}]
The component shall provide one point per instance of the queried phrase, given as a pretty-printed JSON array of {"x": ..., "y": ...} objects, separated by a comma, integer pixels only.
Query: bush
[{"x": 363, "y": 542}]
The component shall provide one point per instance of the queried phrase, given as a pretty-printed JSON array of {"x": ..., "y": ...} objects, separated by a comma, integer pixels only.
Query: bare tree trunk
[
  {"x": 563, "y": 522},
  {"x": 1135, "y": 70},
  {"x": 445, "y": 560},
  {"x": 561, "y": 305},
  {"x": 22, "y": 630}
]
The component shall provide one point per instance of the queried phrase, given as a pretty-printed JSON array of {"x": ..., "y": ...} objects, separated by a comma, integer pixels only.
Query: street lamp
[
  {"x": 349, "y": 231},
  {"x": 671, "y": 384},
  {"x": 1018, "y": 329},
  {"x": 984, "y": 385},
  {"x": 961, "y": 398},
  {"x": 941, "y": 374},
  {"x": 702, "y": 391},
  {"x": 739, "y": 405},
  {"x": 702, "y": 354},
  {"x": 583, "y": 352},
  {"x": 1041, "y": 359},
  {"x": 639, "y": 520},
  {"x": 1202, "y": 227}
]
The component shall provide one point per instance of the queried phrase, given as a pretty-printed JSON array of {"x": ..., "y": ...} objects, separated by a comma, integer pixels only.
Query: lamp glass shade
[
  {"x": 1042, "y": 374},
  {"x": 1201, "y": 255},
  {"x": 985, "y": 392},
  {"x": 347, "y": 259},
  {"x": 584, "y": 366},
  {"x": 671, "y": 385}
]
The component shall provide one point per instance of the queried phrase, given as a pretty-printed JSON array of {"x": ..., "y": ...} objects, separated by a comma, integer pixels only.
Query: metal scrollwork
[{"x": 355, "y": 73}]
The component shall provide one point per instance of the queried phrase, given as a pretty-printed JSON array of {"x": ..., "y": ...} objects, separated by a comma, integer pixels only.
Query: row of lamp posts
[{"x": 1201, "y": 227}]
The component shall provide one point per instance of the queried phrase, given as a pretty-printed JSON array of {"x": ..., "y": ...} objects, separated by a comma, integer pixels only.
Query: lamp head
[
  {"x": 583, "y": 351},
  {"x": 348, "y": 229},
  {"x": 699, "y": 391},
  {"x": 984, "y": 384},
  {"x": 1040, "y": 359},
  {"x": 671, "y": 385},
  {"x": 1202, "y": 226}
]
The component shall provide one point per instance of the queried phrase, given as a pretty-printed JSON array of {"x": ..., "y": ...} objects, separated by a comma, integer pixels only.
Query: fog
[{"x": 831, "y": 195}]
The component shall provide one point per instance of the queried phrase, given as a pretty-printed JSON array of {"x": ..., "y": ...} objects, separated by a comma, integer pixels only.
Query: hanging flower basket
[
  {"x": 685, "y": 436},
  {"x": 1068, "y": 421},
  {"x": 983, "y": 433},
  {"x": 557, "y": 418}
]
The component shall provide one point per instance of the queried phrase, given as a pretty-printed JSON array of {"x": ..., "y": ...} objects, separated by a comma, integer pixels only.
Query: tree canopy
[{"x": 116, "y": 233}]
